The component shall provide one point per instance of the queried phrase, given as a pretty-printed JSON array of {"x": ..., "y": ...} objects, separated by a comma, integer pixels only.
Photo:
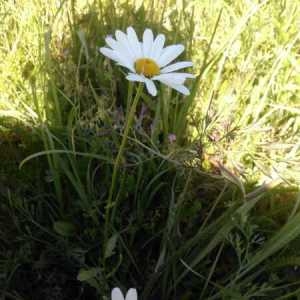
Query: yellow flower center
[{"x": 146, "y": 66}]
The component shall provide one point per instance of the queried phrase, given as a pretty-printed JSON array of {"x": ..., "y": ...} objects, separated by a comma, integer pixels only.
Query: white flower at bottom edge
[
  {"x": 148, "y": 60},
  {"x": 116, "y": 294}
]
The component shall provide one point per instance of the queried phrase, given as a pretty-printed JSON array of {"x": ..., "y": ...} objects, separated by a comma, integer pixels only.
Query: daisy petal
[
  {"x": 135, "y": 77},
  {"x": 177, "y": 66},
  {"x": 134, "y": 42},
  {"x": 118, "y": 54},
  {"x": 121, "y": 57},
  {"x": 123, "y": 45},
  {"x": 109, "y": 53},
  {"x": 169, "y": 54},
  {"x": 125, "y": 62},
  {"x": 147, "y": 42},
  {"x": 116, "y": 294},
  {"x": 114, "y": 55},
  {"x": 157, "y": 46},
  {"x": 126, "y": 66},
  {"x": 181, "y": 89},
  {"x": 151, "y": 87},
  {"x": 178, "y": 87},
  {"x": 131, "y": 294},
  {"x": 121, "y": 37},
  {"x": 112, "y": 43},
  {"x": 176, "y": 78}
]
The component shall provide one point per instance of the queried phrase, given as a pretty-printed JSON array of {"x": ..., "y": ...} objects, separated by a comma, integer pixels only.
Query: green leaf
[
  {"x": 87, "y": 274},
  {"x": 63, "y": 228},
  {"x": 111, "y": 245},
  {"x": 289, "y": 232}
]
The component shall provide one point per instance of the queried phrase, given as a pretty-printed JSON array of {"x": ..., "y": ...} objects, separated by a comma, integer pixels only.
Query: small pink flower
[{"x": 172, "y": 138}]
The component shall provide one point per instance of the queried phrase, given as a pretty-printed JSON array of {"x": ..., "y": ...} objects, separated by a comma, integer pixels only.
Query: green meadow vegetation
[{"x": 205, "y": 200}]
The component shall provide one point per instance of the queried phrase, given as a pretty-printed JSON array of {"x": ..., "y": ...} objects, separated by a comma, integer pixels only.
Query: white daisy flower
[
  {"x": 116, "y": 294},
  {"x": 148, "y": 60}
]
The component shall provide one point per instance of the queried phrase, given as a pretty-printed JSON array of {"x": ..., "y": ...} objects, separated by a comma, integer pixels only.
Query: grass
[{"x": 89, "y": 203}]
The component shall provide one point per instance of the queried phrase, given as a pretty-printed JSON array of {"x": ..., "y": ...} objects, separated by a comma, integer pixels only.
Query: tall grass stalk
[{"x": 128, "y": 124}]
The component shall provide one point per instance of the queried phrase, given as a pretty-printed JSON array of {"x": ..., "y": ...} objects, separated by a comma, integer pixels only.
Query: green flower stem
[{"x": 118, "y": 159}]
